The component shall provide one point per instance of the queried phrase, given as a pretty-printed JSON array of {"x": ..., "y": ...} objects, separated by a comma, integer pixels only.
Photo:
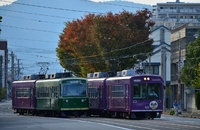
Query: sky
[
  {"x": 32, "y": 27},
  {"x": 150, "y": 2}
]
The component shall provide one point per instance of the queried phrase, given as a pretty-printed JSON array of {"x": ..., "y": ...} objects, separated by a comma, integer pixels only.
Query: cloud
[{"x": 6, "y": 2}]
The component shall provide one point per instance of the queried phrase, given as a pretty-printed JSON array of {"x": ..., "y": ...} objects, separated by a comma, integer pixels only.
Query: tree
[
  {"x": 105, "y": 42},
  {"x": 196, "y": 80},
  {"x": 190, "y": 73}
]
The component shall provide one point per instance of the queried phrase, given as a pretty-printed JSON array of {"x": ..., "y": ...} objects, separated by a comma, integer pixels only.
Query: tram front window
[
  {"x": 146, "y": 91},
  {"x": 74, "y": 89}
]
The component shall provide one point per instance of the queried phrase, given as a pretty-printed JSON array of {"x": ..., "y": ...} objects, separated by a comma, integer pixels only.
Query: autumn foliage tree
[{"x": 105, "y": 42}]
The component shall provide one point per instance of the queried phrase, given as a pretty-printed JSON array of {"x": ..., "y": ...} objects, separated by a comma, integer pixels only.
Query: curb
[{"x": 184, "y": 114}]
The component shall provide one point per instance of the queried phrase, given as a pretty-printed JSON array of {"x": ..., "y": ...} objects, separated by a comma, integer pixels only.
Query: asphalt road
[{"x": 11, "y": 121}]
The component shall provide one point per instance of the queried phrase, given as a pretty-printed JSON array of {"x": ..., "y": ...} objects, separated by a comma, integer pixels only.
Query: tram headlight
[
  {"x": 145, "y": 78},
  {"x": 148, "y": 78},
  {"x": 66, "y": 100},
  {"x": 82, "y": 100}
]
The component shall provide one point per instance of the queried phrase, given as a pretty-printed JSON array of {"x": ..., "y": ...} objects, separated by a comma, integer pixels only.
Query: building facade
[
  {"x": 4, "y": 63},
  {"x": 174, "y": 16},
  {"x": 180, "y": 38}
]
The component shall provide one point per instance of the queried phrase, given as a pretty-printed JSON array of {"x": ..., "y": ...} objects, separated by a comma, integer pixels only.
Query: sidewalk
[{"x": 185, "y": 114}]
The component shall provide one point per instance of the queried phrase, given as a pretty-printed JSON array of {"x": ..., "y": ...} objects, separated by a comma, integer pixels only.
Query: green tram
[{"x": 62, "y": 96}]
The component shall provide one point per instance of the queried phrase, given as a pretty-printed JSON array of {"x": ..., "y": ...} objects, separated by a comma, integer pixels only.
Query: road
[{"x": 11, "y": 121}]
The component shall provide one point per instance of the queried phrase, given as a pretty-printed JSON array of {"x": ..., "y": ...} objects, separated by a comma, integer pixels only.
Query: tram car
[
  {"x": 58, "y": 95},
  {"x": 23, "y": 94},
  {"x": 126, "y": 96}
]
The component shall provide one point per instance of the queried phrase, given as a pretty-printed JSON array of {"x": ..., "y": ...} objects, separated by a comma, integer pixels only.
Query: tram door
[
  {"x": 126, "y": 97},
  {"x": 32, "y": 101},
  {"x": 100, "y": 97}
]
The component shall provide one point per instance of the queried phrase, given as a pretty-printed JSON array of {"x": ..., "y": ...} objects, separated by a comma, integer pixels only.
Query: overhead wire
[
  {"x": 31, "y": 19},
  {"x": 106, "y": 3},
  {"x": 54, "y": 8},
  {"x": 48, "y": 15}
]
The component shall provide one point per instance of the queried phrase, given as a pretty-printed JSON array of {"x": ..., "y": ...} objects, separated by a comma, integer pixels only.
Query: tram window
[
  {"x": 22, "y": 92},
  {"x": 154, "y": 90},
  {"x": 117, "y": 91},
  {"x": 139, "y": 91}
]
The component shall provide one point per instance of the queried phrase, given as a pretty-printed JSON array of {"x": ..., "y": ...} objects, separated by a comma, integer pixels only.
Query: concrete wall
[{"x": 190, "y": 103}]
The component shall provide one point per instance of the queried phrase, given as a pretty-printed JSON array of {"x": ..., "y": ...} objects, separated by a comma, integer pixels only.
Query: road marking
[{"x": 104, "y": 124}]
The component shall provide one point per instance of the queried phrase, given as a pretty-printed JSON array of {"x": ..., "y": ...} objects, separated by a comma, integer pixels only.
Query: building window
[{"x": 153, "y": 70}]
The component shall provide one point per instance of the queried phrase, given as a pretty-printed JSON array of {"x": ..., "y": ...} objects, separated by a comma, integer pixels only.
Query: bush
[
  {"x": 171, "y": 112},
  {"x": 197, "y": 100},
  {"x": 3, "y": 93}
]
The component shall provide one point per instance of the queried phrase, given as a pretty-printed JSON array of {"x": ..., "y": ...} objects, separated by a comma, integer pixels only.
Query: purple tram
[
  {"x": 23, "y": 94},
  {"x": 136, "y": 96},
  {"x": 23, "y": 99}
]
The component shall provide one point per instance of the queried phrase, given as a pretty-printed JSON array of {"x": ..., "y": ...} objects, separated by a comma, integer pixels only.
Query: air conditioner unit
[
  {"x": 100, "y": 74},
  {"x": 128, "y": 72},
  {"x": 34, "y": 77},
  {"x": 60, "y": 75},
  {"x": 90, "y": 75},
  {"x": 119, "y": 73}
]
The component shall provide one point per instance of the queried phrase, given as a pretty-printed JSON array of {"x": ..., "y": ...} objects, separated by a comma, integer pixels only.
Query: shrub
[
  {"x": 197, "y": 100},
  {"x": 3, "y": 93},
  {"x": 171, "y": 112}
]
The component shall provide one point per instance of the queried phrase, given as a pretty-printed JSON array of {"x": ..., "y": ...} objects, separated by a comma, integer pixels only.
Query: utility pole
[
  {"x": 163, "y": 62},
  {"x": 1, "y": 76},
  {"x": 8, "y": 89},
  {"x": 149, "y": 63},
  {"x": 18, "y": 69},
  {"x": 12, "y": 66},
  {"x": 179, "y": 70}
]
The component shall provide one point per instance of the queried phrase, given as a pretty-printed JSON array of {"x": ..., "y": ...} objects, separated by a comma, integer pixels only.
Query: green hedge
[
  {"x": 3, "y": 93},
  {"x": 197, "y": 100},
  {"x": 171, "y": 112}
]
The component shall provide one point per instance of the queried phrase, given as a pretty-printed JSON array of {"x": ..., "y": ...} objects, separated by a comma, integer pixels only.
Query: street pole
[
  {"x": 149, "y": 63},
  {"x": 18, "y": 69},
  {"x": 179, "y": 71},
  {"x": 1, "y": 76},
  {"x": 163, "y": 64}
]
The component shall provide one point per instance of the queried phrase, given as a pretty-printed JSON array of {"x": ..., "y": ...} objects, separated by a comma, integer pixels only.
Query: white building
[{"x": 169, "y": 16}]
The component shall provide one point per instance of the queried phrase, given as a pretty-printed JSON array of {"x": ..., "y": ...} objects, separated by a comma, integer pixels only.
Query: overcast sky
[{"x": 150, "y": 2}]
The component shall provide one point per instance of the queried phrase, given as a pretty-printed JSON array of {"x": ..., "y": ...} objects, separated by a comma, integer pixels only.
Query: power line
[
  {"x": 36, "y": 14},
  {"x": 34, "y": 40},
  {"x": 48, "y": 7},
  {"x": 113, "y": 4},
  {"x": 116, "y": 49},
  {"x": 30, "y": 19},
  {"x": 30, "y": 29}
]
